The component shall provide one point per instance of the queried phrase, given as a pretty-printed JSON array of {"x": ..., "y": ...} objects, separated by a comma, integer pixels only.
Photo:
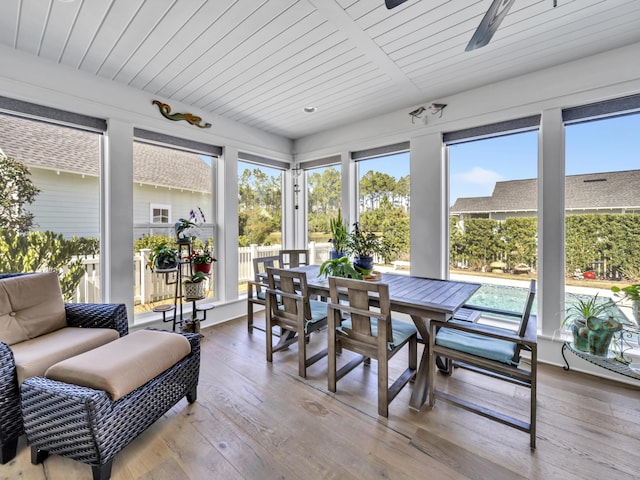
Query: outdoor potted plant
[
  {"x": 339, "y": 267},
  {"x": 363, "y": 246},
  {"x": 201, "y": 260},
  {"x": 339, "y": 236},
  {"x": 193, "y": 286},
  {"x": 163, "y": 258},
  {"x": 576, "y": 320}
]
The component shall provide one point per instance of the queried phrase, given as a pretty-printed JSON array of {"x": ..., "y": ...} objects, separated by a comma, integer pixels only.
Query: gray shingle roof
[
  {"x": 44, "y": 145},
  {"x": 608, "y": 190}
]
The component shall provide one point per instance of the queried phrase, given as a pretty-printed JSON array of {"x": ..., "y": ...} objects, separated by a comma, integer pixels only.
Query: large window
[
  {"x": 324, "y": 201},
  {"x": 259, "y": 215},
  {"x": 384, "y": 203},
  {"x": 493, "y": 216},
  {"x": 50, "y": 202},
  {"x": 170, "y": 184},
  {"x": 602, "y": 206}
]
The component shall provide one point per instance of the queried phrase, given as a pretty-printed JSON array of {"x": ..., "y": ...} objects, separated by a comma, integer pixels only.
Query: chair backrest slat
[
  {"x": 291, "y": 258},
  {"x": 526, "y": 315},
  {"x": 284, "y": 280}
]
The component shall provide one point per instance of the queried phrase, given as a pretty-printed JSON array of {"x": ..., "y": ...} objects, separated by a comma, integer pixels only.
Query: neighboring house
[
  {"x": 65, "y": 165},
  {"x": 607, "y": 192}
]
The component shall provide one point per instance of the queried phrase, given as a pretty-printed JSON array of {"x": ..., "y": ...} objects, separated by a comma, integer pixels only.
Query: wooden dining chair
[
  {"x": 256, "y": 289},
  {"x": 290, "y": 308},
  {"x": 356, "y": 325},
  {"x": 491, "y": 351},
  {"x": 294, "y": 258}
]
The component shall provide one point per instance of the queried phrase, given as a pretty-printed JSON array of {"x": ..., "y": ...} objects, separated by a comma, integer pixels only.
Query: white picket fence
[{"x": 150, "y": 287}]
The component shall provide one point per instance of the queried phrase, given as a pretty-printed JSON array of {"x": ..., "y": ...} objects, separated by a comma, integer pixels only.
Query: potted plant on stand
[
  {"x": 339, "y": 236},
  {"x": 163, "y": 258},
  {"x": 201, "y": 260},
  {"x": 630, "y": 292},
  {"x": 576, "y": 320},
  {"x": 193, "y": 286}
]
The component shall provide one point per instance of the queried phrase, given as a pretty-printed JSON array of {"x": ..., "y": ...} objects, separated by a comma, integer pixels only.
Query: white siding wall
[{"x": 67, "y": 203}]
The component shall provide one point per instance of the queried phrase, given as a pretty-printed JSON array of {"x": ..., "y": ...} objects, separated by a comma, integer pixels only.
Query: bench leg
[
  {"x": 102, "y": 472},
  {"x": 8, "y": 450},
  {"x": 192, "y": 395},
  {"x": 38, "y": 456}
]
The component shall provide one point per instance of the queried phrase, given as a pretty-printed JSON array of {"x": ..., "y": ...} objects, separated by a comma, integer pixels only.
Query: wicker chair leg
[
  {"x": 38, "y": 456},
  {"x": 8, "y": 450},
  {"x": 192, "y": 395},
  {"x": 102, "y": 472}
]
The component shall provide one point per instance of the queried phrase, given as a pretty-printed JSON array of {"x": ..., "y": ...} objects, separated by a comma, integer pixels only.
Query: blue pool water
[{"x": 512, "y": 299}]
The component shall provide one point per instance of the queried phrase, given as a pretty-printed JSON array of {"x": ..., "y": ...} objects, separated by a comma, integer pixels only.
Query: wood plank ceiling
[{"x": 259, "y": 62}]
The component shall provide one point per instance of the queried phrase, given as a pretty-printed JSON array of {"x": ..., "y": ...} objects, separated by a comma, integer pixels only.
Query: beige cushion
[
  {"x": 120, "y": 367},
  {"x": 30, "y": 306},
  {"x": 35, "y": 356}
]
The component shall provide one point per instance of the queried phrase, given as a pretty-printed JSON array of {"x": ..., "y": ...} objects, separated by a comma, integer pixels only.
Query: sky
[{"x": 598, "y": 146}]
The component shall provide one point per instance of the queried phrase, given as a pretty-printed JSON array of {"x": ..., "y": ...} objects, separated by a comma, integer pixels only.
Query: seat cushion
[
  {"x": 35, "y": 356},
  {"x": 121, "y": 366},
  {"x": 478, "y": 345},
  {"x": 30, "y": 306},
  {"x": 401, "y": 330}
]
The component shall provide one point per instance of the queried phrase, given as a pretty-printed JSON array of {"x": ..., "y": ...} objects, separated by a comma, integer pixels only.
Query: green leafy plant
[
  {"x": 365, "y": 244},
  {"x": 339, "y": 267},
  {"x": 196, "y": 278},
  {"x": 630, "y": 292},
  {"x": 339, "y": 234},
  {"x": 582, "y": 309},
  {"x": 202, "y": 256},
  {"x": 185, "y": 229},
  {"x": 163, "y": 257}
]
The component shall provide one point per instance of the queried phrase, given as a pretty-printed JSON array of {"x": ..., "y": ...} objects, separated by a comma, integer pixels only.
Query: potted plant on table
[
  {"x": 163, "y": 258},
  {"x": 339, "y": 267},
  {"x": 339, "y": 236},
  {"x": 363, "y": 246}
]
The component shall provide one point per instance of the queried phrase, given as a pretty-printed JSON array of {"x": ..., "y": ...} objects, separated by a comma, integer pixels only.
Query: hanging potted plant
[
  {"x": 194, "y": 287},
  {"x": 339, "y": 236},
  {"x": 163, "y": 258},
  {"x": 201, "y": 260}
]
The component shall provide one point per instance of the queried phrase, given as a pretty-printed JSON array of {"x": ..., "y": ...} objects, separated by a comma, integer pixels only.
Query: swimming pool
[{"x": 512, "y": 299}]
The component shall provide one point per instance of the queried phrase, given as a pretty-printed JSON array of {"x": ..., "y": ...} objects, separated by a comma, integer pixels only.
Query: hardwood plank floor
[{"x": 255, "y": 420}]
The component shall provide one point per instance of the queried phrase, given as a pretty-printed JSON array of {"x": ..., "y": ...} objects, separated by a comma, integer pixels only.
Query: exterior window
[
  {"x": 324, "y": 195},
  {"x": 170, "y": 184},
  {"x": 384, "y": 204},
  {"x": 259, "y": 216},
  {"x": 493, "y": 218},
  {"x": 160, "y": 214},
  {"x": 602, "y": 224},
  {"x": 50, "y": 197}
]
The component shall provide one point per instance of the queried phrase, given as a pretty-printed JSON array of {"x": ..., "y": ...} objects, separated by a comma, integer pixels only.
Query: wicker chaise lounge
[
  {"x": 38, "y": 297},
  {"x": 92, "y": 423}
]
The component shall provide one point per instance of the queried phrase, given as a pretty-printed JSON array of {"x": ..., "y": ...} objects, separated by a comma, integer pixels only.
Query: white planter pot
[{"x": 193, "y": 290}]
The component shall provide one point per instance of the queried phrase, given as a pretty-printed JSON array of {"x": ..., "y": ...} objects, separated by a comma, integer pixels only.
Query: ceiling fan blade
[
  {"x": 393, "y": 3},
  {"x": 489, "y": 24}
]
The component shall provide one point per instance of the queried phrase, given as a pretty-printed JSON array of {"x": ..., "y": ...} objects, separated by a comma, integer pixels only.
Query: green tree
[
  {"x": 374, "y": 186},
  {"x": 520, "y": 238},
  {"x": 16, "y": 192}
]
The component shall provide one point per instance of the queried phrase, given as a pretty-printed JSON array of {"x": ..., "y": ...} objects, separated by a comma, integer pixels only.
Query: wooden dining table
[{"x": 420, "y": 298}]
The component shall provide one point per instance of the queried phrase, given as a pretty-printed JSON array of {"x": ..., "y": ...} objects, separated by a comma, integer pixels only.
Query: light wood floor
[{"x": 255, "y": 420}]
